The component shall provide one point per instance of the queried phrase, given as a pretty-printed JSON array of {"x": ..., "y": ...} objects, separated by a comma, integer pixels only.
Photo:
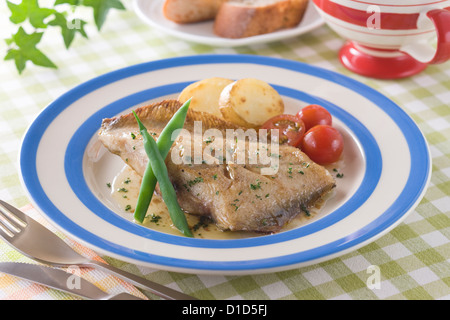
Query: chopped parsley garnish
[
  {"x": 235, "y": 206},
  {"x": 305, "y": 210},
  {"x": 155, "y": 218},
  {"x": 202, "y": 223},
  {"x": 195, "y": 181},
  {"x": 192, "y": 182},
  {"x": 338, "y": 174},
  {"x": 208, "y": 140},
  {"x": 256, "y": 186}
]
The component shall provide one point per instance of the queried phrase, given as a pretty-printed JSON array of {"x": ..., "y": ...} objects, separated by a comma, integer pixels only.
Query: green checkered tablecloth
[{"x": 413, "y": 258}]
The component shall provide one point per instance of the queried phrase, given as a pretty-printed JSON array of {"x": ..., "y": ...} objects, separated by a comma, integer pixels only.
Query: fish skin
[{"x": 236, "y": 196}]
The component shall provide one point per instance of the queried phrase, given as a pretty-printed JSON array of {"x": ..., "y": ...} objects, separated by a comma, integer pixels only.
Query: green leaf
[
  {"x": 22, "y": 46},
  {"x": 18, "y": 58},
  {"x": 26, "y": 41},
  {"x": 9, "y": 41},
  {"x": 101, "y": 8},
  {"x": 68, "y": 27},
  {"x": 71, "y": 2},
  {"x": 40, "y": 59},
  {"x": 29, "y": 9},
  {"x": 26, "y": 50}
]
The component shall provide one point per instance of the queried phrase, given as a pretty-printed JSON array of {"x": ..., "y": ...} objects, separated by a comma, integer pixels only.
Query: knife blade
[{"x": 60, "y": 280}]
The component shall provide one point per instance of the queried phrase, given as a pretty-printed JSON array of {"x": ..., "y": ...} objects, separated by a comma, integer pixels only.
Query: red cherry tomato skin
[
  {"x": 314, "y": 115},
  {"x": 323, "y": 144},
  {"x": 290, "y": 126}
]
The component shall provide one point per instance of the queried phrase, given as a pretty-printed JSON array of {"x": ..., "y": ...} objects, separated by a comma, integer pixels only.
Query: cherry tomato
[
  {"x": 323, "y": 144},
  {"x": 314, "y": 115},
  {"x": 291, "y": 128}
]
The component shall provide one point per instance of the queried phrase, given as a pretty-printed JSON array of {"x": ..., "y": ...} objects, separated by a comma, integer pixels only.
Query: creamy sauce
[{"x": 125, "y": 191}]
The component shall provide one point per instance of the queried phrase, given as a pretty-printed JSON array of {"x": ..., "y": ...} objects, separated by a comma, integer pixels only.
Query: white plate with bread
[{"x": 230, "y": 23}]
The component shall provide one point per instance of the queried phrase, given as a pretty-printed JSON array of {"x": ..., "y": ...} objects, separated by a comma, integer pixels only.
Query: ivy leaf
[
  {"x": 101, "y": 8},
  {"x": 68, "y": 28},
  {"x": 29, "y": 9},
  {"x": 26, "y": 50},
  {"x": 22, "y": 46},
  {"x": 71, "y": 2}
]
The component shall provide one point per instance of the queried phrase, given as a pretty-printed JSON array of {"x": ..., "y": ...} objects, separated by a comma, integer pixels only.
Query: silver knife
[{"x": 60, "y": 280}]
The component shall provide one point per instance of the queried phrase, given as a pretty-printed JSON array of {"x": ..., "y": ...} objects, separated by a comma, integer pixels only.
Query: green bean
[
  {"x": 164, "y": 143},
  {"x": 160, "y": 171}
]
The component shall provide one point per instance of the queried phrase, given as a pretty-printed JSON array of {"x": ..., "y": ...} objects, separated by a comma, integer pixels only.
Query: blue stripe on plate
[
  {"x": 411, "y": 194},
  {"x": 79, "y": 141}
]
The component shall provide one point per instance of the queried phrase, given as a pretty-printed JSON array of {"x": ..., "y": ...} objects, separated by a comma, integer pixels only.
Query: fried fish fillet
[{"x": 236, "y": 195}]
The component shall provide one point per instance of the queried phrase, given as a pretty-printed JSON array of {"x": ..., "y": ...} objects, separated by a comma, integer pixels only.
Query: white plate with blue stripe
[
  {"x": 386, "y": 166},
  {"x": 151, "y": 12}
]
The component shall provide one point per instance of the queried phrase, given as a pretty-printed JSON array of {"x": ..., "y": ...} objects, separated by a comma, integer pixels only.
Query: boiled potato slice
[
  {"x": 230, "y": 115},
  {"x": 253, "y": 102},
  {"x": 205, "y": 94}
]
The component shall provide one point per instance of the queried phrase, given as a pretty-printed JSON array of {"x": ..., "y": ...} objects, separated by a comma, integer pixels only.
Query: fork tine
[
  {"x": 9, "y": 222},
  {"x": 4, "y": 230},
  {"x": 14, "y": 213}
]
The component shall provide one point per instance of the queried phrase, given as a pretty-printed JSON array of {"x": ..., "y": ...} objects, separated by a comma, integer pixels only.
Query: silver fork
[{"x": 40, "y": 244}]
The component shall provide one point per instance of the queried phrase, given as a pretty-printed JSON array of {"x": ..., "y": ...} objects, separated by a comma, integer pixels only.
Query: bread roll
[
  {"x": 246, "y": 18},
  {"x": 190, "y": 11}
]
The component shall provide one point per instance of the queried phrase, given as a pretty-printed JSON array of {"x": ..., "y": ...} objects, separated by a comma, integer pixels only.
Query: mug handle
[{"x": 422, "y": 52}]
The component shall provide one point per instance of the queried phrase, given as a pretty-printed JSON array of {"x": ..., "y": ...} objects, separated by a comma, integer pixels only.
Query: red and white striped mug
[{"x": 389, "y": 39}]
